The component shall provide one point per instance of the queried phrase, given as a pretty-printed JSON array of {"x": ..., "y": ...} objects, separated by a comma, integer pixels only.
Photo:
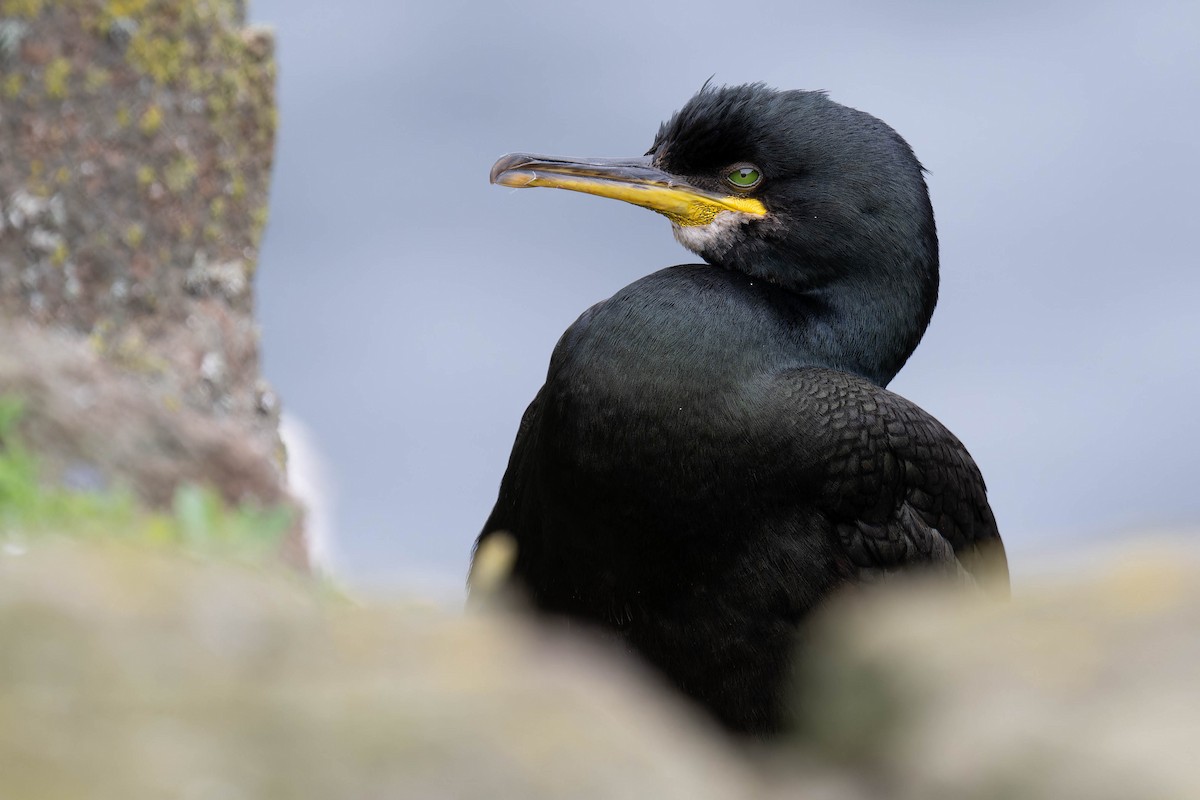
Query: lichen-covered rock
[{"x": 136, "y": 139}]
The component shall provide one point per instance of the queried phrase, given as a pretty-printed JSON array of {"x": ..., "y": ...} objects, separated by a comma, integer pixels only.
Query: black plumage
[{"x": 713, "y": 452}]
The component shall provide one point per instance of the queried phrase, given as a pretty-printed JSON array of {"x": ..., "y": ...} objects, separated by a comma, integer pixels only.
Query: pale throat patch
[{"x": 715, "y": 238}]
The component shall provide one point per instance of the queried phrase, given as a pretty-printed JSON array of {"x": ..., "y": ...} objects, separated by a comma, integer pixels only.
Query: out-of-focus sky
[{"x": 409, "y": 309}]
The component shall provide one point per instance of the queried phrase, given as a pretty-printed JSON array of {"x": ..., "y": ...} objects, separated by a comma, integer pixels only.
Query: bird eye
[{"x": 744, "y": 176}]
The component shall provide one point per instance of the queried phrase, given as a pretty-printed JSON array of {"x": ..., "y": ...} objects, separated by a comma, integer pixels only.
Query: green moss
[
  {"x": 57, "y": 74},
  {"x": 18, "y": 469},
  {"x": 199, "y": 520}
]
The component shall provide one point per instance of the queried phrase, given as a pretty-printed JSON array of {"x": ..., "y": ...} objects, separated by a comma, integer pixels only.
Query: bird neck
[
  {"x": 858, "y": 328},
  {"x": 858, "y": 304}
]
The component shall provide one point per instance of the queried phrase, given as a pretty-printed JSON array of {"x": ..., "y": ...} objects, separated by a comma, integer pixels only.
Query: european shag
[{"x": 713, "y": 452}]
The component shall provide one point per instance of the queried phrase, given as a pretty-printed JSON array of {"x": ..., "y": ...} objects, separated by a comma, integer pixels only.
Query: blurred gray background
[{"x": 409, "y": 308}]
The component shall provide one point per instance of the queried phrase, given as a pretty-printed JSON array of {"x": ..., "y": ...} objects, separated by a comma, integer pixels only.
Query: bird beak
[{"x": 634, "y": 180}]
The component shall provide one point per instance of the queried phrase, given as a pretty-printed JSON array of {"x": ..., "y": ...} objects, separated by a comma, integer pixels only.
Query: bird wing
[
  {"x": 504, "y": 513},
  {"x": 899, "y": 489}
]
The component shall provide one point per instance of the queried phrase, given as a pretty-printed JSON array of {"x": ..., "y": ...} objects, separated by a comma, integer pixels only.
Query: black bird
[{"x": 713, "y": 452}]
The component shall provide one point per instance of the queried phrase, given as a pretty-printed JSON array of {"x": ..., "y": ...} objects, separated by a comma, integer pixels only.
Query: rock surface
[
  {"x": 1087, "y": 685},
  {"x": 95, "y": 427},
  {"x": 137, "y": 139},
  {"x": 129, "y": 674},
  {"x": 142, "y": 673},
  {"x": 136, "y": 142}
]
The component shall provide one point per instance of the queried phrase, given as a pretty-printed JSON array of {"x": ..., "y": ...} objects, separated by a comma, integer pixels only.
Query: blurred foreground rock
[
  {"x": 1085, "y": 686},
  {"x": 128, "y": 673}
]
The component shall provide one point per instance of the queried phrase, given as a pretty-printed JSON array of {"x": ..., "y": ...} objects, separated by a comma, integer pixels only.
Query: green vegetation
[{"x": 199, "y": 521}]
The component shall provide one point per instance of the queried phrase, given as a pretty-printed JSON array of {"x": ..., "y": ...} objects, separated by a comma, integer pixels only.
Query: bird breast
[{"x": 660, "y": 386}]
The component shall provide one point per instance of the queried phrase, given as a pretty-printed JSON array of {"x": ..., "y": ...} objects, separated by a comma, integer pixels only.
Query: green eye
[{"x": 744, "y": 176}]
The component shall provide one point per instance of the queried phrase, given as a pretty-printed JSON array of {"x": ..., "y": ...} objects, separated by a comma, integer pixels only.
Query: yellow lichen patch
[
  {"x": 134, "y": 234},
  {"x": 21, "y": 8},
  {"x": 98, "y": 340},
  {"x": 96, "y": 78},
  {"x": 12, "y": 85},
  {"x": 56, "y": 76},
  {"x": 217, "y": 207},
  {"x": 123, "y": 117},
  {"x": 159, "y": 56},
  {"x": 145, "y": 175},
  {"x": 116, "y": 9},
  {"x": 116, "y": 13},
  {"x": 62, "y": 176},
  {"x": 151, "y": 121},
  {"x": 60, "y": 254},
  {"x": 181, "y": 173},
  {"x": 258, "y": 217},
  {"x": 36, "y": 183},
  {"x": 231, "y": 90},
  {"x": 198, "y": 79},
  {"x": 217, "y": 105},
  {"x": 132, "y": 353}
]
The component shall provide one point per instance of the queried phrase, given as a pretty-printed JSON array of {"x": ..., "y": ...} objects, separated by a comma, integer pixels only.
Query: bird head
[{"x": 786, "y": 186}]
